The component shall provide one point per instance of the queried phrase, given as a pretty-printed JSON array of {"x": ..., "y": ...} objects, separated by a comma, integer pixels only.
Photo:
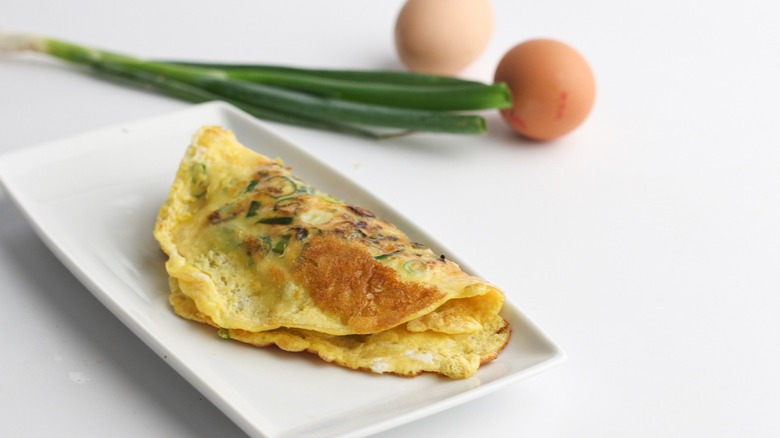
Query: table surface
[{"x": 646, "y": 243}]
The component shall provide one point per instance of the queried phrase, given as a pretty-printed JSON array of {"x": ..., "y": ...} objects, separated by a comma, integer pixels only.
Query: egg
[
  {"x": 553, "y": 88},
  {"x": 442, "y": 36}
]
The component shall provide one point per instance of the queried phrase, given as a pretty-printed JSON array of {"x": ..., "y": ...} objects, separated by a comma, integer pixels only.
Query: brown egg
[
  {"x": 442, "y": 36},
  {"x": 553, "y": 88}
]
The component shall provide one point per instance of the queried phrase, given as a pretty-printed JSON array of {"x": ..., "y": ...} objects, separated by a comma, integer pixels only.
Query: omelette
[{"x": 270, "y": 260}]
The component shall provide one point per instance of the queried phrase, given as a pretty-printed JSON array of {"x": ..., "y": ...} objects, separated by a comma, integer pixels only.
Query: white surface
[
  {"x": 98, "y": 220},
  {"x": 646, "y": 243}
]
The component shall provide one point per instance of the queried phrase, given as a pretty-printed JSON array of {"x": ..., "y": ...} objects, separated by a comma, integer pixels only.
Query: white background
[{"x": 646, "y": 243}]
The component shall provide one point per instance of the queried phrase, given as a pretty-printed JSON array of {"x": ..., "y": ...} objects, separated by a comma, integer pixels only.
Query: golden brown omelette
[{"x": 271, "y": 260}]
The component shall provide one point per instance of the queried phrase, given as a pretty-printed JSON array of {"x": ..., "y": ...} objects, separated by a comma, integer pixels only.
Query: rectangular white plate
[{"x": 93, "y": 200}]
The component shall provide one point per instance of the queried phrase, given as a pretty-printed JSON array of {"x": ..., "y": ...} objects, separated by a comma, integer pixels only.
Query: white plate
[{"x": 93, "y": 200}]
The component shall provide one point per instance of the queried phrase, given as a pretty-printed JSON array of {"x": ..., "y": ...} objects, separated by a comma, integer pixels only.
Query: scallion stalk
[
  {"x": 344, "y": 101},
  {"x": 183, "y": 91},
  {"x": 375, "y": 76},
  {"x": 446, "y": 94}
]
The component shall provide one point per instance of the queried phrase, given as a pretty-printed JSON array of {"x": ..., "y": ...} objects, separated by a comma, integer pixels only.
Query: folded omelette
[{"x": 270, "y": 260}]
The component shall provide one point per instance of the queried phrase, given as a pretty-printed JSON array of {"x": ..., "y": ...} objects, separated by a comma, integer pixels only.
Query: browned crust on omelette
[{"x": 344, "y": 280}]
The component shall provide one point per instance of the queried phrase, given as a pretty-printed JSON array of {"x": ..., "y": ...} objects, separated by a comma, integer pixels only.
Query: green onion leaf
[
  {"x": 372, "y": 104},
  {"x": 252, "y": 210},
  {"x": 284, "y": 220},
  {"x": 223, "y": 333},
  {"x": 251, "y": 185},
  {"x": 281, "y": 245}
]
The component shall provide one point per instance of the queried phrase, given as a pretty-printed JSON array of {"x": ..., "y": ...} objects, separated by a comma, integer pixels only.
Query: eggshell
[
  {"x": 442, "y": 36},
  {"x": 553, "y": 88}
]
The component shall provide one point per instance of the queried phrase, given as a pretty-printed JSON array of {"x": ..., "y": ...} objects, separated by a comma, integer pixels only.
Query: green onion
[
  {"x": 183, "y": 91},
  {"x": 251, "y": 186},
  {"x": 384, "y": 77},
  {"x": 252, "y": 210},
  {"x": 281, "y": 245},
  {"x": 439, "y": 96},
  {"x": 415, "y": 267},
  {"x": 387, "y": 254},
  {"x": 280, "y": 186},
  {"x": 282, "y": 220},
  {"x": 373, "y": 104}
]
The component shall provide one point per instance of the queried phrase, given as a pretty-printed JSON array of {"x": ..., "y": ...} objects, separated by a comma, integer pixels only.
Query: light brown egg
[
  {"x": 553, "y": 88},
  {"x": 442, "y": 36}
]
